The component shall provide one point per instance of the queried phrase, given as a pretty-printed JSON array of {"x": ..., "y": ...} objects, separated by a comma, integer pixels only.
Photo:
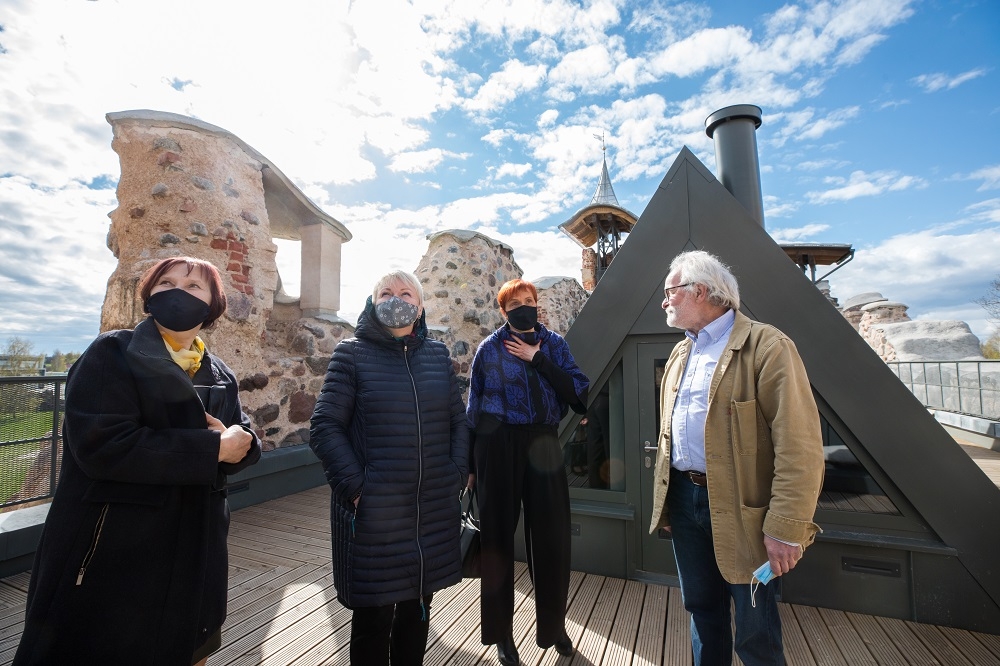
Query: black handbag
[{"x": 471, "y": 548}]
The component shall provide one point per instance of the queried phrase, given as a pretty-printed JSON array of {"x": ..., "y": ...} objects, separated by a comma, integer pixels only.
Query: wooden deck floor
[{"x": 283, "y": 612}]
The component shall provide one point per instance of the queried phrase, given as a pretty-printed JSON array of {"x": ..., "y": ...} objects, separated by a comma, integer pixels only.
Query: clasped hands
[{"x": 234, "y": 441}]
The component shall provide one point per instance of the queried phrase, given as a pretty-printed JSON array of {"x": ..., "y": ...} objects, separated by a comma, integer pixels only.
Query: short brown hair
[
  {"x": 207, "y": 270},
  {"x": 511, "y": 287}
]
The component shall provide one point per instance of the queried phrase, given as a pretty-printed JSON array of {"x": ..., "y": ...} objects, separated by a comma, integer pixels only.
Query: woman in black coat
[
  {"x": 390, "y": 430},
  {"x": 132, "y": 564}
]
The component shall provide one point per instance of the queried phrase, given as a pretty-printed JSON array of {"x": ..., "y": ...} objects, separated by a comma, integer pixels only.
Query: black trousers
[
  {"x": 397, "y": 632},
  {"x": 518, "y": 465}
]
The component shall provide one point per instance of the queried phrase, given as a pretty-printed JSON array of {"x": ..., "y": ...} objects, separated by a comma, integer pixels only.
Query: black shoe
[
  {"x": 564, "y": 646},
  {"x": 507, "y": 652}
]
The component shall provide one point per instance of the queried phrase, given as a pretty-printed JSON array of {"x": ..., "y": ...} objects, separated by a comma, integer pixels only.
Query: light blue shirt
[{"x": 687, "y": 425}]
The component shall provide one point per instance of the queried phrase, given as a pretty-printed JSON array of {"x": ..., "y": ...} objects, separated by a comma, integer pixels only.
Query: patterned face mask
[{"x": 396, "y": 313}]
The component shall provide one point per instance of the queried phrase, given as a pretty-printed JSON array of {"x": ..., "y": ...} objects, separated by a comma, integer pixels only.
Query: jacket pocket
[
  {"x": 744, "y": 426},
  {"x": 753, "y": 531},
  {"x": 98, "y": 528}
]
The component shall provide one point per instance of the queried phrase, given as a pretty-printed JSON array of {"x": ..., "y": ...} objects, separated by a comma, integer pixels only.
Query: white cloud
[
  {"x": 797, "y": 234},
  {"x": 515, "y": 170},
  {"x": 939, "y": 81},
  {"x": 861, "y": 184},
  {"x": 804, "y": 125},
  {"x": 932, "y": 272},
  {"x": 421, "y": 161},
  {"x": 990, "y": 176},
  {"x": 505, "y": 85}
]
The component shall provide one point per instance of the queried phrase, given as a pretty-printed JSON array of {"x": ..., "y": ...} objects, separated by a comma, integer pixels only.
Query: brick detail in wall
[{"x": 238, "y": 270}]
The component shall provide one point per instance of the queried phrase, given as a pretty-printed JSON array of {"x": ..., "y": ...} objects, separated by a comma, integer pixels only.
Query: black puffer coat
[
  {"x": 132, "y": 565},
  {"x": 390, "y": 424}
]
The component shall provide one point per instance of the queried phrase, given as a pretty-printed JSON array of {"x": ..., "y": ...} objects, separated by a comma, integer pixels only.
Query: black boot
[
  {"x": 507, "y": 652},
  {"x": 564, "y": 646}
]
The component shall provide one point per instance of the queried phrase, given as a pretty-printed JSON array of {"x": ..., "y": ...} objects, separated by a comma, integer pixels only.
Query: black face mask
[
  {"x": 177, "y": 310},
  {"x": 523, "y": 318}
]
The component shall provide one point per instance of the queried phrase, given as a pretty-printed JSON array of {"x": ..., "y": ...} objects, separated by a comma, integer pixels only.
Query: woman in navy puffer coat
[{"x": 390, "y": 429}]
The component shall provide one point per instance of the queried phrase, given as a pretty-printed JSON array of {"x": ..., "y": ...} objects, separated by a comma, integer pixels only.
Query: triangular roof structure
[{"x": 952, "y": 505}]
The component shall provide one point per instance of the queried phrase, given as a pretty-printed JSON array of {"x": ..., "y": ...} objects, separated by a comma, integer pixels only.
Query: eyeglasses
[{"x": 669, "y": 291}]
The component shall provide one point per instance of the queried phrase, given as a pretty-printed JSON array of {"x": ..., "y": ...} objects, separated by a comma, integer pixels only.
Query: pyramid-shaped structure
[{"x": 944, "y": 534}]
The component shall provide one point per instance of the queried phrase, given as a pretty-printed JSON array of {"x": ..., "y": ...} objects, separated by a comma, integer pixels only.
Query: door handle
[{"x": 649, "y": 447}]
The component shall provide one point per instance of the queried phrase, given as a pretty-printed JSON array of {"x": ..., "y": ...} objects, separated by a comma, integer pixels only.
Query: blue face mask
[
  {"x": 764, "y": 573},
  {"x": 762, "y": 576}
]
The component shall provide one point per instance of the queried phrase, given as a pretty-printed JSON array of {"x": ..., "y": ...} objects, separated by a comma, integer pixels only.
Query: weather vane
[{"x": 600, "y": 137}]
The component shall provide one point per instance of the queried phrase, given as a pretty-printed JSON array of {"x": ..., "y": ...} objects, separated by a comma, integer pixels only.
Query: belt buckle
[{"x": 697, "y": 478}]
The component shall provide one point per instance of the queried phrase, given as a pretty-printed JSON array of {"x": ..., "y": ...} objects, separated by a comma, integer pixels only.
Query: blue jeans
[{"x": 707, "y": 595}]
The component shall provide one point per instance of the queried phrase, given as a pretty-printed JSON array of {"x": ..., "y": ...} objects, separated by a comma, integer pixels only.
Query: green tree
[
  {"x": 17, "y": 398},
  {"x": 991, "y": 303},
  {"x": 991, "y": 348},
  {"x": 58, "y": 362}
]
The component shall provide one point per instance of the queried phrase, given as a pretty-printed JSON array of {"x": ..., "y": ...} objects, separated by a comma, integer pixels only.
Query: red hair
[
  {"x": 207, "y": 270},
  {"x": 511, "y": 287}
]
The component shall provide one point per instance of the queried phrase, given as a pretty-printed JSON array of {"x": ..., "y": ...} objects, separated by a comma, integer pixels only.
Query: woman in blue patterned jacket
[
  {"x": 523, "y": 382},
  {"x": 389, "y": 428}
]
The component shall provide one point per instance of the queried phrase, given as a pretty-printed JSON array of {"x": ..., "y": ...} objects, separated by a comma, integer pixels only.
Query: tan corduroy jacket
[{"x": 763, "y": 447}]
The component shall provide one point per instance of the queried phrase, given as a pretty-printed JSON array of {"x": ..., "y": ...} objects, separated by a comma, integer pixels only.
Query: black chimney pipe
[{"x": 734, "y": 130}]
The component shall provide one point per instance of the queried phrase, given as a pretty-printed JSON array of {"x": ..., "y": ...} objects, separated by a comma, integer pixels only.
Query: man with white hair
[{"x": 740, "y": 462}]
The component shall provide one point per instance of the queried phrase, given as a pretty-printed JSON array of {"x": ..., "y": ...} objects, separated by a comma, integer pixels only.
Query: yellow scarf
[{"x": 189, "y": 360}]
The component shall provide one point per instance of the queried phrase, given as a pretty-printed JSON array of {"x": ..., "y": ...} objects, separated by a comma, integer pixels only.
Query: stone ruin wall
[{"x": 189, "y": 192}]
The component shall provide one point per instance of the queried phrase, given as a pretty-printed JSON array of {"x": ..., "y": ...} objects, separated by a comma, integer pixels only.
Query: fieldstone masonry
[
  {"x": 189, "y": 188},
  {"x": 888, "y": 330}
]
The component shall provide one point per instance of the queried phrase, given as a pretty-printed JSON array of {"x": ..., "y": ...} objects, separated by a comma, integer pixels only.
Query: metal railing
[
  {"x": 31, "y": 413},
  {"x": 964, "y": 387}
]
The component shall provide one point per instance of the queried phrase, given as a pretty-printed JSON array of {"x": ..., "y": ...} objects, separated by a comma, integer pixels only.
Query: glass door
[{"x": 656, "y": 552}]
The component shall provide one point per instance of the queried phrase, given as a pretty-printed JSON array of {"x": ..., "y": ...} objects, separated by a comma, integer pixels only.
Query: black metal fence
[
  {"x": 31, "y": 413},
  {"x": 964, "y": 387}
]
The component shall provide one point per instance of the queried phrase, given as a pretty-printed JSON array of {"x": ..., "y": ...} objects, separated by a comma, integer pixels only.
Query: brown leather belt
[{"x": 697, "y": 478}]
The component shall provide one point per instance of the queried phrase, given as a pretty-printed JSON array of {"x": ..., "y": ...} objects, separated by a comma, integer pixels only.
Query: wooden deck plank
[
  {"x": 652, "y": 627},
  {"x": 283, "y": 611},
  {"x": 876, "y": 640},
  {"x": 906, "y": 641},
  {"x": 242, "y": 641},
  {"x": 850, "y": 643},
  {"x": 625, "y": 628},
  {"x": 677, "y": 623},
  {"x": 797, "y": 652},
  {"x": 260, "y": 599},
  {"x": 973, "y": 649},
  {"x": 821, "y": 643},
  {"x": 939, "y": 646},
  {"x": 990, "y": 641},
  {"x": 594, "y": 640},
  {"x": 452, "y": 624},
  {"x": 581, "y": 607}
]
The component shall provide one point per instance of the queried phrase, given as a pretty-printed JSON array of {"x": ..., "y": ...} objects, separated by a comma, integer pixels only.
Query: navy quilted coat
[{"x": 390, "y": 424}]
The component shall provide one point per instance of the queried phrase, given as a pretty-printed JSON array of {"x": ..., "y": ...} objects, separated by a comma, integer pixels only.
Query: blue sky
[{"x": 881, "y": 128}]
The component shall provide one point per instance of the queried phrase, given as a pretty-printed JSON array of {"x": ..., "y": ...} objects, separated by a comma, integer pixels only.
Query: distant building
[{"x": 21, "y": 365}]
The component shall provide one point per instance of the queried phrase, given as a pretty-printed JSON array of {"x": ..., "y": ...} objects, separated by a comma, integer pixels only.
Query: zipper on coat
[
  {"x": 420, "y": 469},
  {"x": 93, "y": 546}
]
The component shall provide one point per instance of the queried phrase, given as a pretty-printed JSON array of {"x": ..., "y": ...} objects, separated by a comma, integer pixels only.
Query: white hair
[
  {"x": 700, "y": 267},
  {"x": 399, "y": 276}
]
